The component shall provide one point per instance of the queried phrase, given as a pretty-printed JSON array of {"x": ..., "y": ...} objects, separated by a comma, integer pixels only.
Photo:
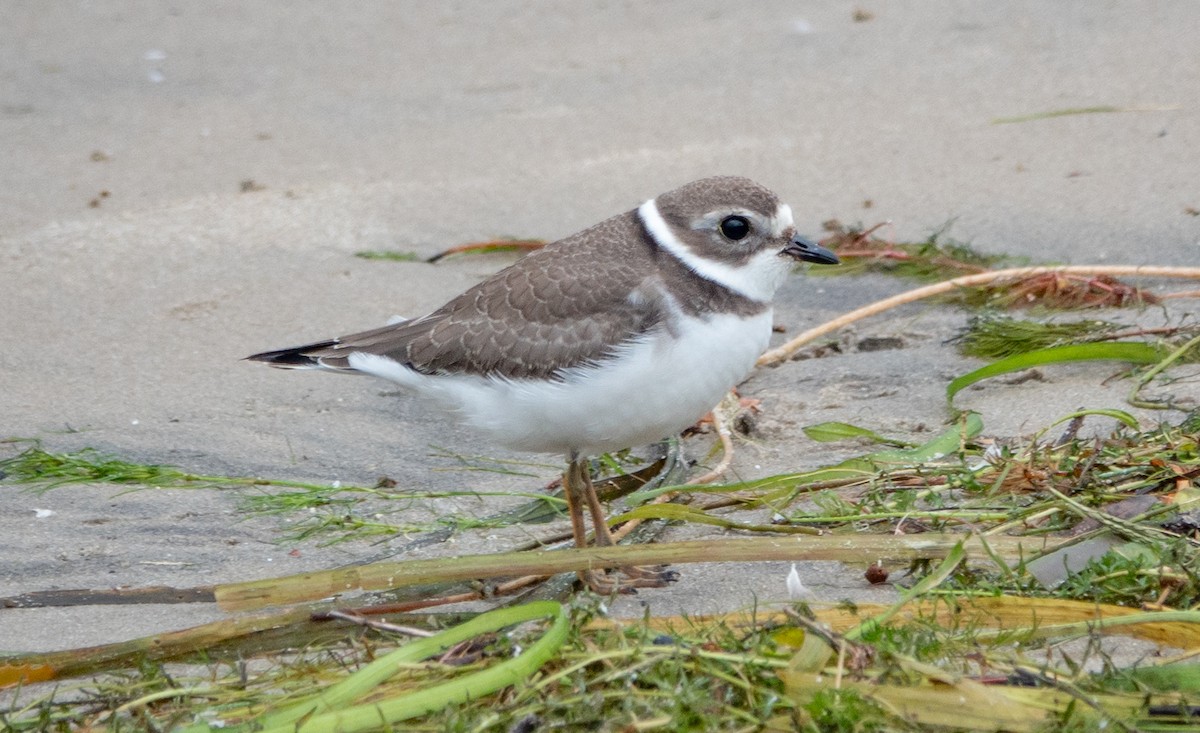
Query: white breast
[{"x": 652, "y": 390}]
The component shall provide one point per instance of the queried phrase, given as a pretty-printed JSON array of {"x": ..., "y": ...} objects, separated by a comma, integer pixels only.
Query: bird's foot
[
  {"x": 657, "y": 574},
  {"x": 604, "y": 584}
]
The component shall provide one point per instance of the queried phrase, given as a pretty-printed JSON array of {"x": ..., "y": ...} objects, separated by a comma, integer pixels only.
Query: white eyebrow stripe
[{"x": 748, "y": 279}]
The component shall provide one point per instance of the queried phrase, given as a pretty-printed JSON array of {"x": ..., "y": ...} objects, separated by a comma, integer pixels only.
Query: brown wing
[{"x": 562, "y": 306}]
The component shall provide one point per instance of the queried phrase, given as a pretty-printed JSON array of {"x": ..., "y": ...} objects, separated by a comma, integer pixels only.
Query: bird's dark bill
[{"x": 805, "y": 249}]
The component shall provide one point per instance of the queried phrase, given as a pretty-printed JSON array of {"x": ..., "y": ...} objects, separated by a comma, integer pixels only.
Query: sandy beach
[{"x": 185, "y": 185}]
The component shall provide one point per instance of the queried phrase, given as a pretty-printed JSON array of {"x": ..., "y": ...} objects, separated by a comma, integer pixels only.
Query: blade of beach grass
[
  {"x": 1069, "y": 111},
  {"x": 1134, "y": 353},
  {"x": 684, "y": 513},
  {"x": 493, "y": 246},
  {"x": 967, "y": 426},
  {"x": 851, "y": 471},
  {"x": 331, "y": 710},
  {"x": 828, "y": 432}
]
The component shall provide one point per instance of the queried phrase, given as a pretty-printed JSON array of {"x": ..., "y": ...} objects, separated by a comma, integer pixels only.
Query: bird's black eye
[{"x": 734, "y": 228}]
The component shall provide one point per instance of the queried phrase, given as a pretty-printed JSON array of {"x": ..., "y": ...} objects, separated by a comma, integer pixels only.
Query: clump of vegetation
[
  {"x": 1001, "y": 552},
  {"x": 993, "y": 335},
  {"x": 947, "y": 642},
  {"x": 1062, "y": 291},
  {"x": 861, "y": 250},
  {"x": 996, "y": 336},
  {"x": 939, "y": 258}
]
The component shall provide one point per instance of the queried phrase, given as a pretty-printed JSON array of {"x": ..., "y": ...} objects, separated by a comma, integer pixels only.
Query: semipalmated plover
[{"x": 620, "y": 335}]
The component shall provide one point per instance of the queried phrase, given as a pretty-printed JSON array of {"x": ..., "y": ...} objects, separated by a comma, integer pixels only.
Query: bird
[{"x": 617, "y": 336}]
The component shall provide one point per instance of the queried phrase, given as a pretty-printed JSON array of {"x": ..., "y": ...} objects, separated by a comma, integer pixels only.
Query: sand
[{"x": 187, "y": 184}]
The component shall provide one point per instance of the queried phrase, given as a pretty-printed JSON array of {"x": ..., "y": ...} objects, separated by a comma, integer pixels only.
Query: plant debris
[
  {"x": 1062, "y": 291},
  {"x": 1023, "y": 557},
  {"x": 862, "y": 250},
  {"x": 492, "y": 246}
]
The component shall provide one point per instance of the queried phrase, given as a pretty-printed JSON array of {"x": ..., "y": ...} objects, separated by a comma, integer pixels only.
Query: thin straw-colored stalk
[
  {"x": 783, "y": 352},
  {"x": 387, "y": 575}
]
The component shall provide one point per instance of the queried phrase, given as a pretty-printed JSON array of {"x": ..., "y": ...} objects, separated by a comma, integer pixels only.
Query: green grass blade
[
  {"x": 1120, "y": 416},
  {"x": 683, "y": 513},
  {"x": 949, "y": 441},
  {"x": 1066, "y": 112},
  {"x": 328, "y": 712},
  {"x": 828, "y": 432},
  {"x": 1137, "y": 353},
  {"x": 1168, "y": 678},
  {"x": 389, "y": 255}
]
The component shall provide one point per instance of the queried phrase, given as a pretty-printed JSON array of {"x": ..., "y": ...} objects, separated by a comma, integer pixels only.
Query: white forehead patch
[{"x": 783, "y": 219}]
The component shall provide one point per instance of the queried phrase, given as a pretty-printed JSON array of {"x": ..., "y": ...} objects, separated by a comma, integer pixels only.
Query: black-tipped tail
[{"x": 297, "y": 357}]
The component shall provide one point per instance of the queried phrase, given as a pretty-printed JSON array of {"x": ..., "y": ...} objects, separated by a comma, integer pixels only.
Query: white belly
[{"x": 653, "y": 390}]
